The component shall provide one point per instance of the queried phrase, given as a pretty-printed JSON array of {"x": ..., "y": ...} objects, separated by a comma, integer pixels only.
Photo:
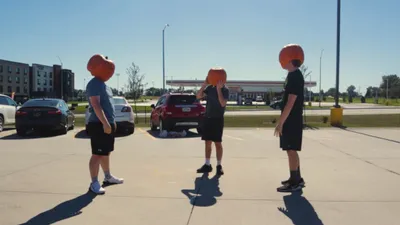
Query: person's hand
[
  {"x": 278, "y": 130},
  {"x": 205, "y": 84},
  {"x": 220, "y": 84},
  {"x": 107, "y": 128}
]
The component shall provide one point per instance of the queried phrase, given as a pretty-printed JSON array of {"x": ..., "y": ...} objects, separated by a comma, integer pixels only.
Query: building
[
  {"x": 14, "y": 77},
  {"x": 244, "y": 88},
  {"x": 67, "y": 86},
  {"x": 42, "y": 81}
]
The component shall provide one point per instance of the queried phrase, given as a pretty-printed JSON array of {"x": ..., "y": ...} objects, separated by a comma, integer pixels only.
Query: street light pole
[
  {"x": 337, "y": 55},
  {"x": 163, "y": 54},
  {"x": 320, "y": 77},
  {"x": 117, "y": 83}
]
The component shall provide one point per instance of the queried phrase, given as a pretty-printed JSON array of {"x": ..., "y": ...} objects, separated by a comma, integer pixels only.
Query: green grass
[
  {"x": 390, "y": 120},
  {"x": 147, "y": 109},
  {"x": 381, "y": 101}
]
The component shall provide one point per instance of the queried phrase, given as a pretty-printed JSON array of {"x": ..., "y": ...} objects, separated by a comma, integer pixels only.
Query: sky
[{"x": 244, "y": 37}]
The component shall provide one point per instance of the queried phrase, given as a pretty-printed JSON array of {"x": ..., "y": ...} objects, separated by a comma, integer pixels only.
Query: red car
[{"x": 177, "y": 111}]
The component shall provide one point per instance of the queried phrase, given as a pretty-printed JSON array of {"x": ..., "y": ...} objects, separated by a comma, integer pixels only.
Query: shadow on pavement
[
  {"x": 189, "y": 134},
  {"x": 204, "y": 192},
  {"x": 369, "y": 135},
  {"x": 63, "y": 211},
  {"x": 31, "y": 135},
  {"x": 309, "y": 127},
  {"x": 83, "y": 135},
  {"x": 300, "y": 210}
]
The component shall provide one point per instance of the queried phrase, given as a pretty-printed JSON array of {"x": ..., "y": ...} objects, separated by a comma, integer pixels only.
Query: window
[
  {"x": 45, "y": 82},
  {"x": 43, "y": 103},
  {"x": 38, "y": 73},
  {"x": 17, "y": 80},
  {"x": 25, "y": 80},
  {"x": 1, "y": 68},
  {"x": 3, "y": 100},
  {"x": 51, "y": 75},
  {"x": 11, "y": 102},
  {"x": 1, "y": 88},
  {"x": 182, "y": 99},
  {"x": 9, "y": 69},
  {"x": 1, "y": 78},
  {"x": 9, "y": 89},
  {"x": 45, "y": 74},
  {"x": 17, "y": 70},
  {"x": 26, "y": 71},
  {"x": 51, "y": 82},
  {"x": 38, "y": 81},
  {"x": 9, "y": 79},
  {"x": 18, "y": 89},
  {"x": 25, "y": 89}
]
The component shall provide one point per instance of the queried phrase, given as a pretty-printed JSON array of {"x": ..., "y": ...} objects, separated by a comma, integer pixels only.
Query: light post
[
  {"x": 320, "y": 77},
  {"x": 117, "y": 83},
  {"x": 163, "y": 54},
  {"x": 337, "y": 54}
]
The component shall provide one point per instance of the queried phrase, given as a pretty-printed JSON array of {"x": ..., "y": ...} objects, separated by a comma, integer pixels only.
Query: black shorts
[
  {"x": 292, "y": 136},
  {"x": 102, "y": 143},
  {"x": 212, "y": 129}
]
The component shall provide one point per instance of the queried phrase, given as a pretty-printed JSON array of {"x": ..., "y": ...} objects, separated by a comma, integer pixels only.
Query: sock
[
  {"x": 219, "y": 162},
  {"x": 208, "y": 162},
  {"x": 298, "y": 172},
  {"x": 107, "y": 174},
  {"x": 293, "y": 175},
  {"x": 94, "y": 179}
]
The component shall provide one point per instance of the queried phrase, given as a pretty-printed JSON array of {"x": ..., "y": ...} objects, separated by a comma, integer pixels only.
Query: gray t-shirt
[
  {"x": 213, "y": 107},
  {"x": 96, "y": 87}
]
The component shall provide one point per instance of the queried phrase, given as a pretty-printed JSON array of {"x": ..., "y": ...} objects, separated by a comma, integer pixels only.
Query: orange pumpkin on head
[
  {"x": 291, "y": 52},
  {"x": 215, "y": 75},
  {"x": 101, "y": 67}
]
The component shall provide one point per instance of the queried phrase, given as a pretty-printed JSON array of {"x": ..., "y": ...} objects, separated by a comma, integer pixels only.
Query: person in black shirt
[
  {"x": 290, "y": 126},
  {"x": 213, "y": 124}
]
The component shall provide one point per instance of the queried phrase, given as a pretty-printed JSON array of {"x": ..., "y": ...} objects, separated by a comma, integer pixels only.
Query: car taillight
[
  {"x": 54, "y": 112},
  {"x": 20, "y": 113},
  {"x": 168, "y": 110},
  {"x": 126, "y": 109}
]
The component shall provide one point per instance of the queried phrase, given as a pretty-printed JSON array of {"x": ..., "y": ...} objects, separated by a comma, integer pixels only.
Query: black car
[{"x": 45, "y": 115}]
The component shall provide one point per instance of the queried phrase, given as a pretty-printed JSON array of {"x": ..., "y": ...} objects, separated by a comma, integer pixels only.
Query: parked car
[
  {"x": 276, "y": 104},
  {"x": 8, "y": 107},
  {"x": 44, "y": 114},
  {"x": 248, "y": 101},
  {"x": 177, "y": 111},
  {"x": 259, "y": 99},
  {"x": 124, "y": 117}
]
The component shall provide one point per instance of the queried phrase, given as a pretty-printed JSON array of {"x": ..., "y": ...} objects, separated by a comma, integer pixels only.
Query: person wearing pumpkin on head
[
  {"x": 101, "y": 126},
  {"x": 290, "y": 125},
  {"x": 217, "y": 95}
]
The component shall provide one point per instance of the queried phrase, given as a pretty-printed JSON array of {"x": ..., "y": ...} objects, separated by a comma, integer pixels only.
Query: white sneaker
[
  {"x": 97, "y": 188},
  {"x": 113, "y": 180}
]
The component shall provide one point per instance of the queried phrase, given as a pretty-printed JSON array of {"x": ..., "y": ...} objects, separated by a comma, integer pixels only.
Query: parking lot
[{"x": 352, "y": 177}]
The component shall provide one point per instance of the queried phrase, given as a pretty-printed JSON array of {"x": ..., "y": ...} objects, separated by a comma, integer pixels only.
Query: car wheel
[
  {"x": 152, "y": 127},
  {"x": 64, "y": 130},
  {"x": 130, "y": 130},
  {"x": 1, "y": 123},
  {"x": 21, "y": 132}
]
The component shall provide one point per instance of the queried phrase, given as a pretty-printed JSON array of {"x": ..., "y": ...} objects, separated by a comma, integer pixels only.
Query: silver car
[
  {"x": 123, "y": 115},
  {"x": 8, "y": 107}
]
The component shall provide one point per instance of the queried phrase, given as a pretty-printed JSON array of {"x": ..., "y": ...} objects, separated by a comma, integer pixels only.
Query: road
[
  {"x": 352, "y": 177},
  {"x": 314, "y": 112}
]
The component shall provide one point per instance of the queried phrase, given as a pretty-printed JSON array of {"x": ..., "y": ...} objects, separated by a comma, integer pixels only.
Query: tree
[
  {"x": 331, "y": 92},
  {"x": 134, "y": 87},
  {"x": 392, "y": 84}
]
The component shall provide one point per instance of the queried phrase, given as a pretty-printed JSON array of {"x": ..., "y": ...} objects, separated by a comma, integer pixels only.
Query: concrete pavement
[{"x": 352, "y": 177}]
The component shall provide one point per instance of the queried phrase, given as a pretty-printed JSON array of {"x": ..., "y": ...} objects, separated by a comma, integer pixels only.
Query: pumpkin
[
  {"x": 291, "y": 52},
  {"x": 215, "y": 75},
  {"x": 101, "y": 67}
]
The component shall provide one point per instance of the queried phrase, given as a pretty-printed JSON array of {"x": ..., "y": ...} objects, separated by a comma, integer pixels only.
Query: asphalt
[{"x": 352, "y": 177}]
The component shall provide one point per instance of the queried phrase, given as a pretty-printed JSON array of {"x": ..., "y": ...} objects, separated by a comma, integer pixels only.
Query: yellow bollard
[{"x": 337, "y": 117}]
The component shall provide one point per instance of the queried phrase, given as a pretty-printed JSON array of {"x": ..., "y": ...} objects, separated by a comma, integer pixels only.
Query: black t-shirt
[
  {"x": 213, "y": 107},
  {"x": 294, "y": 84}
]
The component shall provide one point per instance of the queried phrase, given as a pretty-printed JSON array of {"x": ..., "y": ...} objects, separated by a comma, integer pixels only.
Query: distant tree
[
  {"x": 134, "y": 87},
  {"x": 392, "y": 84},
  {"x": 331, "y": 92}
]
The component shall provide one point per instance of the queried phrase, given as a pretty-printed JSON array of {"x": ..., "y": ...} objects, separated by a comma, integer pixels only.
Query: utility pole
[
  {"x": 117, "y": 83},
  {"x": 320, "y": 77},
  {"x": 163, "y": 55},
  {"x": 337, "y": 53}
]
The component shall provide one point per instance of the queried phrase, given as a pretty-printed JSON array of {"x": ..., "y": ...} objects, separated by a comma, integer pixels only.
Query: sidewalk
[{"x": 352, "y": 177}]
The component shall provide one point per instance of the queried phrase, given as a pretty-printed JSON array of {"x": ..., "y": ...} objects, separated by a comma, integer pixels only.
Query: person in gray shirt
[{"x": 213, "y": 124}]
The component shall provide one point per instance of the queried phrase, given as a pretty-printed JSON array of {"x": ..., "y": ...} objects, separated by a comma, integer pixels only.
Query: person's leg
[
  {"x": 293, "y": 165},
  {"x": 206, "y": 168},
  {"x": 109, "y": 140},
  {"x": 219, "y": 128},
  {"x": 94, "y": 164},
  {"x": 219, "y": 151}
]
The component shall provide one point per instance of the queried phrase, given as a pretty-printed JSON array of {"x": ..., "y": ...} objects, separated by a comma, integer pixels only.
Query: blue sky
[{"x": 244, "y": 37}]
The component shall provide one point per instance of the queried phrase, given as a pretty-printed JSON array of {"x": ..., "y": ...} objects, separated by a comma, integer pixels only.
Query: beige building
[{"x": 14, "y": 77}]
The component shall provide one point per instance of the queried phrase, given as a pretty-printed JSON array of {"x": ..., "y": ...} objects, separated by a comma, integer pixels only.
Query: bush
[{"x": 325, "y": 119}]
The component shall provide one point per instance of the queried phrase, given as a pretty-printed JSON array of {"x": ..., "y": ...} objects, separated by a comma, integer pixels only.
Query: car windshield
[
  {"x": 119, "y": 101},
  {"x": 41, "y": 103},
  {"x": 182, "y": 99}
]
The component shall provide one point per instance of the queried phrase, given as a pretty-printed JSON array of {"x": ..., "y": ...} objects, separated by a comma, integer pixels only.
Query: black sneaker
[
  {"x": 205, "y": 169},
  {"x": 289, "y": 188},
  {"x": 220, "y": 171},
  {"x": 301, "y": 182}
]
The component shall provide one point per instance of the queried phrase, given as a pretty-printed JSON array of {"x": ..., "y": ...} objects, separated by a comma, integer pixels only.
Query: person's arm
[
  {"x": 293, "y": 88},
  {"x": 202, "y": 91},
  {"x": 223, "y": 96}
]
